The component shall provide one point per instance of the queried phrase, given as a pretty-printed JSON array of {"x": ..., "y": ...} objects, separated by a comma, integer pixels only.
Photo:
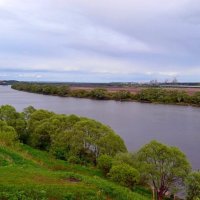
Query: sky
[{"x": 100, "y": 40}]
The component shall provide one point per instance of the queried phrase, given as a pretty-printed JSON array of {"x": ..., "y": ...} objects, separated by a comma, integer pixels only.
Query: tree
[
  {"x": 98, "y": 139},
  {"x": 111, "y": 144},
  {"x": 105, "y": 163},
  {"x": 13, "y": 118},
  {"x": 47, "y": 89},
  {"x": 195, "y": 99},
  {"x": 193, "y": 186},
  {"x": 36, "y": 118},
  {"x": 127, "y": 158},
  {"x": 28, "y": 111},
  {"x": 8, "y": 135},
  {"x": 66, "y": 144},
  {"x": 99, "y": 93},
  {"x": 40, "y": 137},
  {"x": 122, "y": 95},
  {"x": 63, "y": 90},
  {"x": 67, "y": 137},
  {"x": 125, "y": 175},
  {"x": 165, "y": 167},
  {"x": 38, "y": 128}
]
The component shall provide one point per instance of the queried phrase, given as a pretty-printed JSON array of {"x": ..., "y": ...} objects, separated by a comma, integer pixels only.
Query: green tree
[
  {"x": 37, "y": 117},
  {"x": 14, "y": 119},
  {"x": 99, "y": 93},
  {"x": 47, "y": 89},
  {"x": 105, "y": 163},
  {"x": 98, "y": 139},
  {"x": 165, "y": 167},
  {"x": 195, "y": 99},
  {"x": 127, "y": 158},
  {"x": 111, "y": 144},
  {"x": 122, "y": 95},
  {"x": 193, "y": 186},
  {"x": 63, "y": 90},
  {"x": 28, "y": 111},
  {"x": 8, "y": 135},
  {"x": 125, "y": 175},
  {"x": 80, "y": 93},
  {"x": 40, "y": 137},
  {"x": 36, "y": 124}
]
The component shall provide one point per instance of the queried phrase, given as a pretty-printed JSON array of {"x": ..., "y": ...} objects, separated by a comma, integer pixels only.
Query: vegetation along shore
[
  {"x": 150, "y": 94},
  {"x": 44, "y": 155}
]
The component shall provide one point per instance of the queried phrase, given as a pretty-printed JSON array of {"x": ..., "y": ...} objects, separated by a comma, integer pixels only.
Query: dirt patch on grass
[{"x": 73, "y": 180}]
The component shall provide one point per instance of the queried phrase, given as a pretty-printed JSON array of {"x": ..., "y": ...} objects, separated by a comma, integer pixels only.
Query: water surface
[{"x": 136, "y": 123}]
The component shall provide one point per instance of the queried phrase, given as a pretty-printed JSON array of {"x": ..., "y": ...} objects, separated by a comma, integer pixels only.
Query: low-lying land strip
[
  {"x": 135, "y": 89},
  {"x": 169, "y": 95}
]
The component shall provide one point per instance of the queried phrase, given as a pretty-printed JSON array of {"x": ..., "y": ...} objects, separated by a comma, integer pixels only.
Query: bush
[
  {"x": 104, "y": 163},
  {"x": 8, "y": 138},
  {"x": 122, "y": 95},
  {"x": 126, "y": 158},
  {"x": 125, "y": 175},
  {"x": 74, "y": 160},
  {"x": 98, "y": 93},
  {"x": 8, "y": 135}
]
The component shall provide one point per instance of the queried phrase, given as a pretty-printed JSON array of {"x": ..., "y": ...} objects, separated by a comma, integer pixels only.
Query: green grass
[{"x": 30, "y": 174}]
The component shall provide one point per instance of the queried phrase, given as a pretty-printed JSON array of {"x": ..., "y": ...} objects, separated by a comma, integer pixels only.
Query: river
[{"x": 136, "y": 123}]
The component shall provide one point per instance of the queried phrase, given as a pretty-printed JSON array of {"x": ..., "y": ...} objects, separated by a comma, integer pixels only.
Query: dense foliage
[
  {"x": 151, "y": 95},
  {"x": 164, "y": 167},
  {"x": 84, "y": 141},
  {"x": 8, "y": 135},
  {"x": 105, "y": 163},
  {"x": 70, "y": 137},
  {"x": 193, "y": 186},
  {"x": 125, "y": 175}
]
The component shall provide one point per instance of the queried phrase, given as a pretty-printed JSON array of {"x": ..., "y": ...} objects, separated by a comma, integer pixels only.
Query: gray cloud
[{"x": 131, "y": 40}]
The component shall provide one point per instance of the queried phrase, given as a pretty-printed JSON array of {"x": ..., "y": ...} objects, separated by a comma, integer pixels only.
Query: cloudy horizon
[{"x": 100, "y": 41}]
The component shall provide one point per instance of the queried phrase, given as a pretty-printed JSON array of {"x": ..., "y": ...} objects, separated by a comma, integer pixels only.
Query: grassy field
[
  {"x": 136, "y": 89},
  {"x": 29, "y": 174}
]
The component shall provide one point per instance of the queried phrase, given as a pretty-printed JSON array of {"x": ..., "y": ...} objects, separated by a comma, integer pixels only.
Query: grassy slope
[{"x": 26, "y": 174}]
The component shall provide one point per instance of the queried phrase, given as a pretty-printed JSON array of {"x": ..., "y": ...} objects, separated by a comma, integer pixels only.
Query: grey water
[{"x": 136, "y": 123}]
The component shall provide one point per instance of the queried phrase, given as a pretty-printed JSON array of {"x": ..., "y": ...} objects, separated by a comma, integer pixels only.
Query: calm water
[{"x": 136, "y": 123}]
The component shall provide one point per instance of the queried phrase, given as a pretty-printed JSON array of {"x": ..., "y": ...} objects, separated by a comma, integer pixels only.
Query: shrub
[
  {"x": 73, "y": 159},
  {"x": 104, "y": 163},
  {"x": 125, "y": 175},
  {"x": 8, "y": 135},
  {"x": 126, "y": 158},
  {"x": 99, "y": 93},
  {"x": 8, "y": 138},
  {"x": 122, "y": 95}
]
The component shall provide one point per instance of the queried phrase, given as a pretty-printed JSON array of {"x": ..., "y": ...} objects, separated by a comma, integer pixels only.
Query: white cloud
[{"x": 30, "y": 75}]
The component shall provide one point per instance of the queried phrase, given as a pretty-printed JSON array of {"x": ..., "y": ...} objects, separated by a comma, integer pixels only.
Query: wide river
[{"x": 136, "y": 123}]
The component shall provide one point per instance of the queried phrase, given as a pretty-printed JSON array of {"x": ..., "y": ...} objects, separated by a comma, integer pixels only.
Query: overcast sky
[{"x": 100, "y": 40}]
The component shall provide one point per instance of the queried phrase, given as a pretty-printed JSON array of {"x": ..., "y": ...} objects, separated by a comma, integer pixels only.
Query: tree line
[
  {"x": 150, "y": 95},
  {"x": 79, "y": 140}
]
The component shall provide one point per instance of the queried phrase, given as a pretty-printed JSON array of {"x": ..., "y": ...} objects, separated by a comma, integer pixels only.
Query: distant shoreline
[{"x": 166, "y": 96}]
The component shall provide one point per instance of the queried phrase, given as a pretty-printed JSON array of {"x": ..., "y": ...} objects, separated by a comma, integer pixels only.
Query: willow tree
[
  {"x": 164, "y": 167},
  {"x": 98, "y": 139}
]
